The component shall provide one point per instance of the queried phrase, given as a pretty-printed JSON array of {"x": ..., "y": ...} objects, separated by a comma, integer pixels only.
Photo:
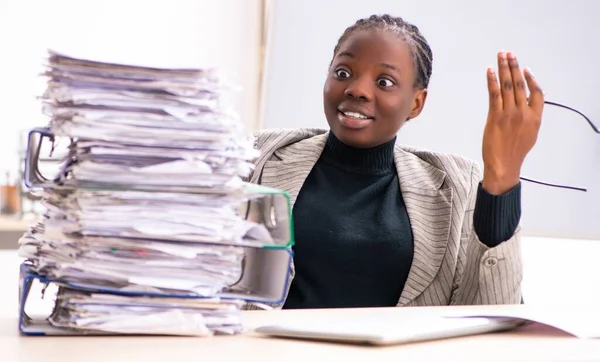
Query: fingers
[
  {"x": 520, "y": 93},
  {"x": 513, "y": 86},
  {"x": 536, "y": 95},
  {"x": 506, "y": 82},
  {"x": 494, "y": 91}
]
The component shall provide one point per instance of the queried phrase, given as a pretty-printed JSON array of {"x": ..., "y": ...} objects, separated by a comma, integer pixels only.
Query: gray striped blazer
[{"x": 450, "y": 265}]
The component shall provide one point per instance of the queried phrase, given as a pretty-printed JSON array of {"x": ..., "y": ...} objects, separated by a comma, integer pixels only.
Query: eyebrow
[
  {"x": 385, "y": 65},
  {"x": 389, "y": 66}
]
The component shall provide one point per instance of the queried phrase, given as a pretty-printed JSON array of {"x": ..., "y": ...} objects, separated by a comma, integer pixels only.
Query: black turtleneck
[{"x": 354, "y": 243}]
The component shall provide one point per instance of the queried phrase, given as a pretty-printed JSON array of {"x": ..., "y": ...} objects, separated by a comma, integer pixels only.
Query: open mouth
[{"x": 354, "y": 120}]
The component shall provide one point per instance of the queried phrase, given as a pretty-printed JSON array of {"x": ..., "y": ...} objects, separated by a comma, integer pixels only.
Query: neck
[{"x": 375, "y": 160}]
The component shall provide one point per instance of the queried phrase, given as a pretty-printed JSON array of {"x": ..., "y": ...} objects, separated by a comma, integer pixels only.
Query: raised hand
[{"x": 513, "y": 123}]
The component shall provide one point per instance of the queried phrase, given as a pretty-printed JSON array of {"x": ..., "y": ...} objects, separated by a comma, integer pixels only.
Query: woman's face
[{"x": 369, "y": 92}]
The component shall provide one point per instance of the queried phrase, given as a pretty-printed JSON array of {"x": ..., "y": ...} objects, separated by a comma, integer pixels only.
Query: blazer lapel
[
  {"x": 291, "y": 165},
  {"x": 429, "y": 209}
]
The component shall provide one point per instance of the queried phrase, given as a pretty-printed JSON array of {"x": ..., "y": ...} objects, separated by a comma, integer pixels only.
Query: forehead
[{"x": 378, "y": 46}]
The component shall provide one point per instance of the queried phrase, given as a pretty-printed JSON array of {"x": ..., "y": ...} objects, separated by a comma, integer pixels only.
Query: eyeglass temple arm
[
  {"x": 553, "y": 185},
  {"x": 591, "y": 125},
  {"x": 576, "y": 111}
]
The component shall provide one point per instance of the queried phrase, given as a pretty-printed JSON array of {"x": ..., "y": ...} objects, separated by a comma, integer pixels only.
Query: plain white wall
[
  {"x": 559, "y": 40},
  {"x": 227, "y": 33}
]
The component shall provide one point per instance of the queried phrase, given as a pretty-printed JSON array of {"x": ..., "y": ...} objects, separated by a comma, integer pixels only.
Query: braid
[{"x": 419, "y": 48}]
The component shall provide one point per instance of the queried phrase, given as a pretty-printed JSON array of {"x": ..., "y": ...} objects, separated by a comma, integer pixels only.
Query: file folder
[
  {"x": 265, "y": 206},
  {"x": 265, "y": 279}
]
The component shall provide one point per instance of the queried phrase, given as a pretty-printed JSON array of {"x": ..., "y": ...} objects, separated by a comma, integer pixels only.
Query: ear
[{"x": 418, "y": 103}]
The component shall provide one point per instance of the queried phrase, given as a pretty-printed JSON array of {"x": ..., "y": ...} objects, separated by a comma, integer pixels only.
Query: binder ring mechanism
[{"x": 34, "y": 179}]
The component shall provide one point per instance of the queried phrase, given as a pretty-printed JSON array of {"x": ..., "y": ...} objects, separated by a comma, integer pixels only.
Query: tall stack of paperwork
[{"x": 149, "y": 227}]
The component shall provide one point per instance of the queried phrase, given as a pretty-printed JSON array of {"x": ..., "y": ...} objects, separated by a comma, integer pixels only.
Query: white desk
[{"x": 528, "y": 344}]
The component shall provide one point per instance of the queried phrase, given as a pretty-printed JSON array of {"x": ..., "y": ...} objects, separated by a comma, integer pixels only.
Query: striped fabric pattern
[{"x": 450, "y": 266}]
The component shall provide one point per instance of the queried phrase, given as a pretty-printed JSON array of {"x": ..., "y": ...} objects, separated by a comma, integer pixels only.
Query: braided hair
[{"x": 419, "y": 48}]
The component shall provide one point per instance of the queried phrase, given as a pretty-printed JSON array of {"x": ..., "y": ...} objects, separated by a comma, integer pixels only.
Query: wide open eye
[
  {"x": 384, "y": 82},
  {"x": 342, "y": 73}
]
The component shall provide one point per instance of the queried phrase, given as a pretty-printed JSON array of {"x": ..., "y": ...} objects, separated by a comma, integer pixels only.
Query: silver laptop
[{"x": 387, "y": 329}]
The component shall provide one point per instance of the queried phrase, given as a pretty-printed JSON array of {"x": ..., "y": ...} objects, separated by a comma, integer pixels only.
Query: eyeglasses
[{"x": 594, "y": 127}]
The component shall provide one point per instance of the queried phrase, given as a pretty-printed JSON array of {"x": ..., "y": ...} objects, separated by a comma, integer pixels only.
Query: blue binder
[{"x": 265, "y": 280}]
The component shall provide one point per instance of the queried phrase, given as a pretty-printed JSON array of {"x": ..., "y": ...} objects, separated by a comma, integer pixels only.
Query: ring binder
[
  {"x": 263, "y": 205},
  {"x": 265, "y": 279}
]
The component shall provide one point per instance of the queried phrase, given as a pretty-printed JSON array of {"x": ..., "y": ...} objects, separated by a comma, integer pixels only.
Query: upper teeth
[{"x": 355, "y": 115}]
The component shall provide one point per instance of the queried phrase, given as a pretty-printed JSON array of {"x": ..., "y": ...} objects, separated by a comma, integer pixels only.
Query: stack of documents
[
  {"x": 142, "y": 224},
  {"x": 144, "y": 126},
  {"x": 130, "y": 265},
  {"x": 207, "y": 218},
  {"x": 94, "y": 312}
]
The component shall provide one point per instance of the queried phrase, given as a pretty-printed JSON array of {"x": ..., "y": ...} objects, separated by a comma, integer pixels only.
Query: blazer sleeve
[{"x": 486, "y": 275}]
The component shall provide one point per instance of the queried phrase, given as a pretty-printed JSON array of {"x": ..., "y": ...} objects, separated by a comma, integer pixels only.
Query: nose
[{"x": 359, "y": 88}]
